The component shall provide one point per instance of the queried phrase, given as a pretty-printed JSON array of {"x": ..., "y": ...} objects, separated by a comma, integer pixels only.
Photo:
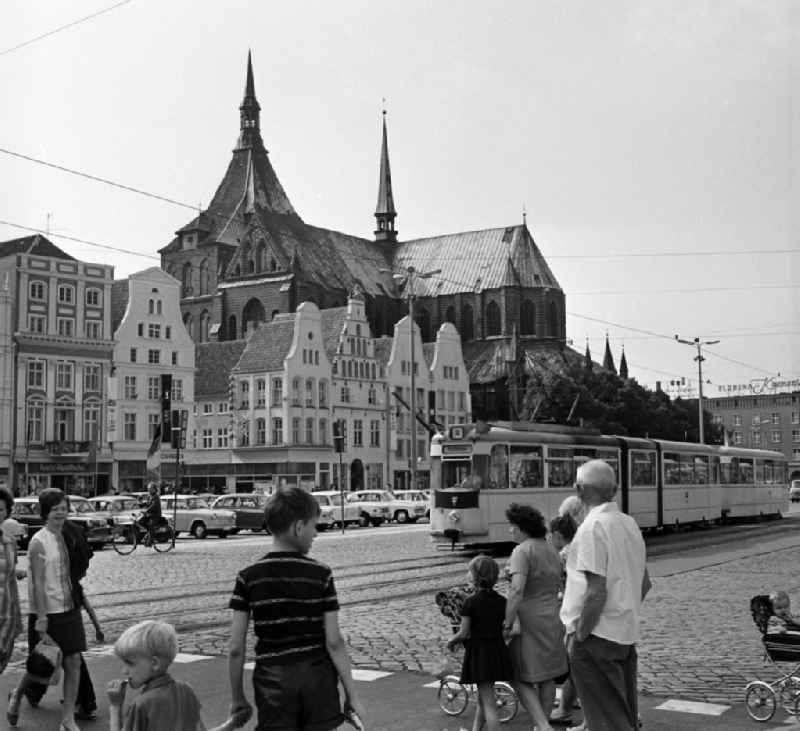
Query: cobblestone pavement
[{"x": 699, "y": 640}]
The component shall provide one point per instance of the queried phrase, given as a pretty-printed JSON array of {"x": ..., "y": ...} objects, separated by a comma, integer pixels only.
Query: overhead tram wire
[{"x": 64, "y": 27}]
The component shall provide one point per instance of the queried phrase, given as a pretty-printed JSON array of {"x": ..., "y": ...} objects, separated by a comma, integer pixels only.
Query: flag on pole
[{"x": 154, "y": 452}]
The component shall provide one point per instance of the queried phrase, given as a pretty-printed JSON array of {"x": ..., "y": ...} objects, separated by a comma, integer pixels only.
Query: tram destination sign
[{"x": 759, "y": 386}]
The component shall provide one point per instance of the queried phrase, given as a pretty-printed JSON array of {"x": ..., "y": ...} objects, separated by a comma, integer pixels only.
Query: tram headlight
[{"x": 454, "y": 516}]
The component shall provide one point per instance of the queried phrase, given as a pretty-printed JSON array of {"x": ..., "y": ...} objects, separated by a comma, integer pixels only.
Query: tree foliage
[{"x": 613, "y": 405}]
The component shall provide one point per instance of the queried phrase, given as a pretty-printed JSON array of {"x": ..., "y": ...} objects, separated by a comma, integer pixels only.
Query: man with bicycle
[{"x": 152, "y": 512}]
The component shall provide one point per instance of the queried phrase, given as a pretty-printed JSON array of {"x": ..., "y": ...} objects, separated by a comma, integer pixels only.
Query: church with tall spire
[{"x": 249, "y": 256}]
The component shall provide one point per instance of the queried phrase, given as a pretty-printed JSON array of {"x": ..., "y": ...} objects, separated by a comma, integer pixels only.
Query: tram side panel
[
  {"x": 642, "y": 502},
  {"x": 689, "y": 495}
]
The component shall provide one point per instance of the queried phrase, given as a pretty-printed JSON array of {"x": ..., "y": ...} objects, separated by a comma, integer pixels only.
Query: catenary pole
[{"x": 699, "y": 358}]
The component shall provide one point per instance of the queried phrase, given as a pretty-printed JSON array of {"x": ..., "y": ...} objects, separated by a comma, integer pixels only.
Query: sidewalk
[{"x": 400, "y": 701}]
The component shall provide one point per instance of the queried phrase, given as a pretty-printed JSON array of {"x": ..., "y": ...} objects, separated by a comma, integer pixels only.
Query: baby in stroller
[{"x": 782, "y": 618}]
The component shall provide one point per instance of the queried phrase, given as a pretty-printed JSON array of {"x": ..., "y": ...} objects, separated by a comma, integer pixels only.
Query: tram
[{"x": 478, "y": 470}]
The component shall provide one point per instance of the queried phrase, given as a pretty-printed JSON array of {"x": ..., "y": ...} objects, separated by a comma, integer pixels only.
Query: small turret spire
[
  {"x": 587, "y": 358},
  {"x": 623, "y": 365},
  {"x": 249, "y": 110},
  {"x": 385, "y": 212},
  {"x": 608, "y": 359}
]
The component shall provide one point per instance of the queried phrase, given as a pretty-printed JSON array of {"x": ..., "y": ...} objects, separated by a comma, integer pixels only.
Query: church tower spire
[
  {"x": 623, "y": 365},
  {"x": 249, "y": 111},
  {"x": 608, "y": 359},
  {"x": 385, "y": 212}
]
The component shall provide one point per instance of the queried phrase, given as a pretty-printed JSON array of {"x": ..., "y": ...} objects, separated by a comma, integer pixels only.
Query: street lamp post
[
  {"x": 411, "y": 273},
  {"x": 699, "y": 358}
]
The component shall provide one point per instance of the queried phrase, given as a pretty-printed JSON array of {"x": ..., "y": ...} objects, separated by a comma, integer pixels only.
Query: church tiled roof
[
  {"x": 473, "y": 261},
  {"x": 332, "y": 321},
  {"x": 119, "y": 302},
  {"x": 214, "y": 362},
  {"x": 489, "y": 360},
  {"x": 267, "y": 346},
  {"x": 36, "y": 244}
]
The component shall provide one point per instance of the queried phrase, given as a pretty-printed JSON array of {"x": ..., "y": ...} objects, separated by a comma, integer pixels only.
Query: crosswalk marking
[
  {"x": 705, "y": 709},
  {"x": 185, "y": 657},
  {"x": 368, "y": 676}
]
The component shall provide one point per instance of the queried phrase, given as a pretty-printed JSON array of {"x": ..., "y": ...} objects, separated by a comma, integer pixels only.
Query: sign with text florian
[{"x": 760, "y": 386}]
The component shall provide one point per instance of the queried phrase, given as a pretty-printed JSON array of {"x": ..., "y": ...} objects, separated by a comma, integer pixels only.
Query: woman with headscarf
[
  {"x": 54, "y": 610},
  {"x": 537, "y": 652},
  {"x": 10, "y": 617}
]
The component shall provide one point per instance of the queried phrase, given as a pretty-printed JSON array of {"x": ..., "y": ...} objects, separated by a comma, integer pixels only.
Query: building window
[
  {"x": 66, "y": 294},
  {"x": 756, "y": 438},
  {"x": 36, "y": 323},
  {"x": 493, "y": 321},
  {"x": 462, "y": 401},
  {"x": 130, "y": 387},
  {"x": 277, "y": 431},
  {"x": 64, "y": 376},
  {"x": 91, "y": 422},
  {"x": 66, "y": 326},
  {"x": 737, "y": 437},
  {"x": 222, "y": 407},
  {"x": 261, "y": 393},
  {"x": 153, "y": 423},
  {"x": 276, "y": 392},
  {"x": 93, "y": 329},
  {"x": 208, "y": 408},
  {"x": 372, "y": 396},
  {"x": 295, "y": 392},
  {"x": 35, "y": 374},
  {"x": 93, "y": 297},
  {"x": 140, "y": 329},
  {"x": 222, "y": 437},
  {"x": 358, "y": 433},
  {"x": 177, "y": 389},
  {"x": 129, "y": 427},
  {"x": 323, "y": 431},
  {"x": 244, "y": 433},
  {"x": 208, "y": 439},
  {"x": 796, "y": 435},
  {"x": 375, "y": 433},
  {"x": 244, "y": 394},
  {"x": 737, "y": 420},
  {"x": 309, "y": 393},
  {"x": 37, "y": 290},
  {"x": 64, "y": 425},
  {"x": 133, "y": 355},
  {"x": 345, "y": 394},
  {"x": 153, "y": 388},
  {"x": 91, "y": 377},
  {"x": 168, "y": 332},
  {"x": 776, "y": 436},
  {"x": 153, "y": 330},
  {"x": 261, "y": 431},
  {"x": 776, "y": 417},
  {"x": 323, "y": 394},
  {"x": 296, "y": 430},
  {"x": 174, "y": 357},
  {"x": 154, "y": 357},
  {"x": 35, "y": 422},
  {"x": 796, "y": 417}
]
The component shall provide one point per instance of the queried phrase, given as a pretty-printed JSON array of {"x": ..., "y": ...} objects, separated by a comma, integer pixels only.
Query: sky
[{"x": 654, "y": 146}]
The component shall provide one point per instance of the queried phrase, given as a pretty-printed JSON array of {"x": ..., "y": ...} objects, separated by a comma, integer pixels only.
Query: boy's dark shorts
[{"x": 301, "y": 696}]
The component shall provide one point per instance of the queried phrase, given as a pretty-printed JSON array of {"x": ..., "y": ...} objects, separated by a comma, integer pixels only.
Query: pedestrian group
[{"x": 571, "y": 617}]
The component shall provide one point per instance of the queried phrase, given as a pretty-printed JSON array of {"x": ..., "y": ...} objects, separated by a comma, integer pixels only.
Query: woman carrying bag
[{"x": 54, "y": 609}]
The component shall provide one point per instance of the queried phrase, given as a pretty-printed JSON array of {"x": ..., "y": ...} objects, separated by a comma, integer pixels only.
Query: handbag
[{"x": 44, "y": 662}]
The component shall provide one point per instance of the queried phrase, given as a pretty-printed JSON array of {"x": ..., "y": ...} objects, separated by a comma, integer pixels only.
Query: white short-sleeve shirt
[{"x": 608, "y": 543}]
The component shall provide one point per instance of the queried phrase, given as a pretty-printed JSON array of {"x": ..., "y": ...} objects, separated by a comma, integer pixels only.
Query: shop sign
[{"x": 758, "y": 386}]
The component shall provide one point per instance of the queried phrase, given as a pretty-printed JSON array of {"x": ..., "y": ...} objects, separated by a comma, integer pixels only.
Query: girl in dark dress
[{"x": 486, "y": 657}]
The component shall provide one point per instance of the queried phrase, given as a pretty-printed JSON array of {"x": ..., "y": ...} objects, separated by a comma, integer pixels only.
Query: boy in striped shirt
[{"x": 300, "y": 652}]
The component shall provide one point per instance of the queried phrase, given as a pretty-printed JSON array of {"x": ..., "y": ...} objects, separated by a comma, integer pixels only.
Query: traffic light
[
  {"x": 166, "y": 404},
  {"x": 339, "y": 434}
]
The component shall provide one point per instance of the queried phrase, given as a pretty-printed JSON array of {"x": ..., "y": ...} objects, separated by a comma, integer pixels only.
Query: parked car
[
  {"x": 96, "y": 526},
  {"x": 192, "y": 515},
  {"x": 330, "y": 514},
  {"x": 410, "y": 505},
  {"x": 246, "y": 506},
  {"x": 142, "y": 497},
  {"x": 121, "y": 510},
  {"x": 26, "y": 511},
  {"x": 794, "y": 491},
  {"x": 374, "y": 506},
  {"x": 207, "y": 497}
]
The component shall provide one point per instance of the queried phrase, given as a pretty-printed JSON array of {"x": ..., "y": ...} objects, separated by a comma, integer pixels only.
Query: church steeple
[
  {"x": 608, "y": 359},
  {"x": 384, "y": 211},
  {"x": 587, "y": 358},
  {"x": 249, "y": 122},
  {"x": 623, "y": 365}
]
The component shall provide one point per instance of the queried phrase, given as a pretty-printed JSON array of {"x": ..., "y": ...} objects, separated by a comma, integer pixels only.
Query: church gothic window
[
  {"x": 552, "y": 320},
  {"x": 252, "y": 315},
  {"x": 527, "y": 318},
  {"x": 450, "y": 314},
  {"x": 424, "y": 323},
  {"x": 205, "y": 320},
  {"x": 273, "y": 265},
  {"x": 204, "y": 281},
  {"x": 232, "y": 327},
  {"x": 467, "y": 323},
  {"x": 188, "y": 322},
  {"x": 493, "y": 326},
  {"x": 186, "y": 278},
  {"x": 261, "y": 256}
]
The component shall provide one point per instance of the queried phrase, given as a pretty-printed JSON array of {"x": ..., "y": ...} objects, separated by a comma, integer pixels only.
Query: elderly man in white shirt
[{"x": 607, "y": 580}]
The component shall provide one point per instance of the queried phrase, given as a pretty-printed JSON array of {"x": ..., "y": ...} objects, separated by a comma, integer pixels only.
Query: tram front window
[{"x": 454, "y": 473}]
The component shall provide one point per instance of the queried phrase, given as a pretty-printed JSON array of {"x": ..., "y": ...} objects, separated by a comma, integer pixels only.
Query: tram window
[
  {"x": 480, "y": 468},
  {"x": 560, "y": 471},
  {"x": 759, "y": 472},
  {"x": 525, "y": 467},
  {"x": 746, "y": 475},
  {"x": 498, "y": 467},
  {"x": 714, "y": 476},
  {"x": 730, "y": 471},
  {"x": 672, "y": 469},
  {"x": 643, "y": 469},
  {"x": 701, "y": 470},
  {"x": 769, "y": 472},
  {"x": 454, "y": 472}
]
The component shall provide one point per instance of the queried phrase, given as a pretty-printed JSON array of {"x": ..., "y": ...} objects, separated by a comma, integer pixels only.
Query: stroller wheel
[
  {"x": 760, "y": 701},
  {"x": 789, "y": 693},
  {"x": 453, "y": 697},
  {"x": 506, "y": 701}
]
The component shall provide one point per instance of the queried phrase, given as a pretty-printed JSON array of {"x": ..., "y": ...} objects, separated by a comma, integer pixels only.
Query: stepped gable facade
[{"x": 250, "y": 256}]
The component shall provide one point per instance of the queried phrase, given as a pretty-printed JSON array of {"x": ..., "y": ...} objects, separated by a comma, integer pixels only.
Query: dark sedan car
[
  {"x": 95, "y": 526},
  {"x": 26, "y": 511},
  {"x": 248, "y": 507}
]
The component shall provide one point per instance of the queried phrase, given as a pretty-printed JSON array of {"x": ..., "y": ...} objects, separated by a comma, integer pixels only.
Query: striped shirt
[{"x": 287, "y": 595}]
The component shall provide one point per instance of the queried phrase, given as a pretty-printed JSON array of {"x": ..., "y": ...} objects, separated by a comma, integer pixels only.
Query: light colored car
[
  {"x": 409, "y": 505},
  {"x": 330, "y": 509},
  {"x": 794, "y": 491},
  {"x": 246, "y": 506},
  {"x": 96, "y": 526},
  {"x": 121, "y": 509},
  {"x": 374, "y": 506},
  {"x": 192, "y": 515}
]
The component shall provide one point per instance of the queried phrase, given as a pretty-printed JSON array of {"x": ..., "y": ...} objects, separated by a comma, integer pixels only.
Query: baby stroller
[
  {"x": 761, "y": 698},
  {"x": 453, "y": 696}
]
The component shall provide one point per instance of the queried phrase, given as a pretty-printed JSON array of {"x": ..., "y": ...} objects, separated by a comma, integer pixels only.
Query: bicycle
[
  {"x": 126, "y": 537},
  {"x": 454, "y": 697}
]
